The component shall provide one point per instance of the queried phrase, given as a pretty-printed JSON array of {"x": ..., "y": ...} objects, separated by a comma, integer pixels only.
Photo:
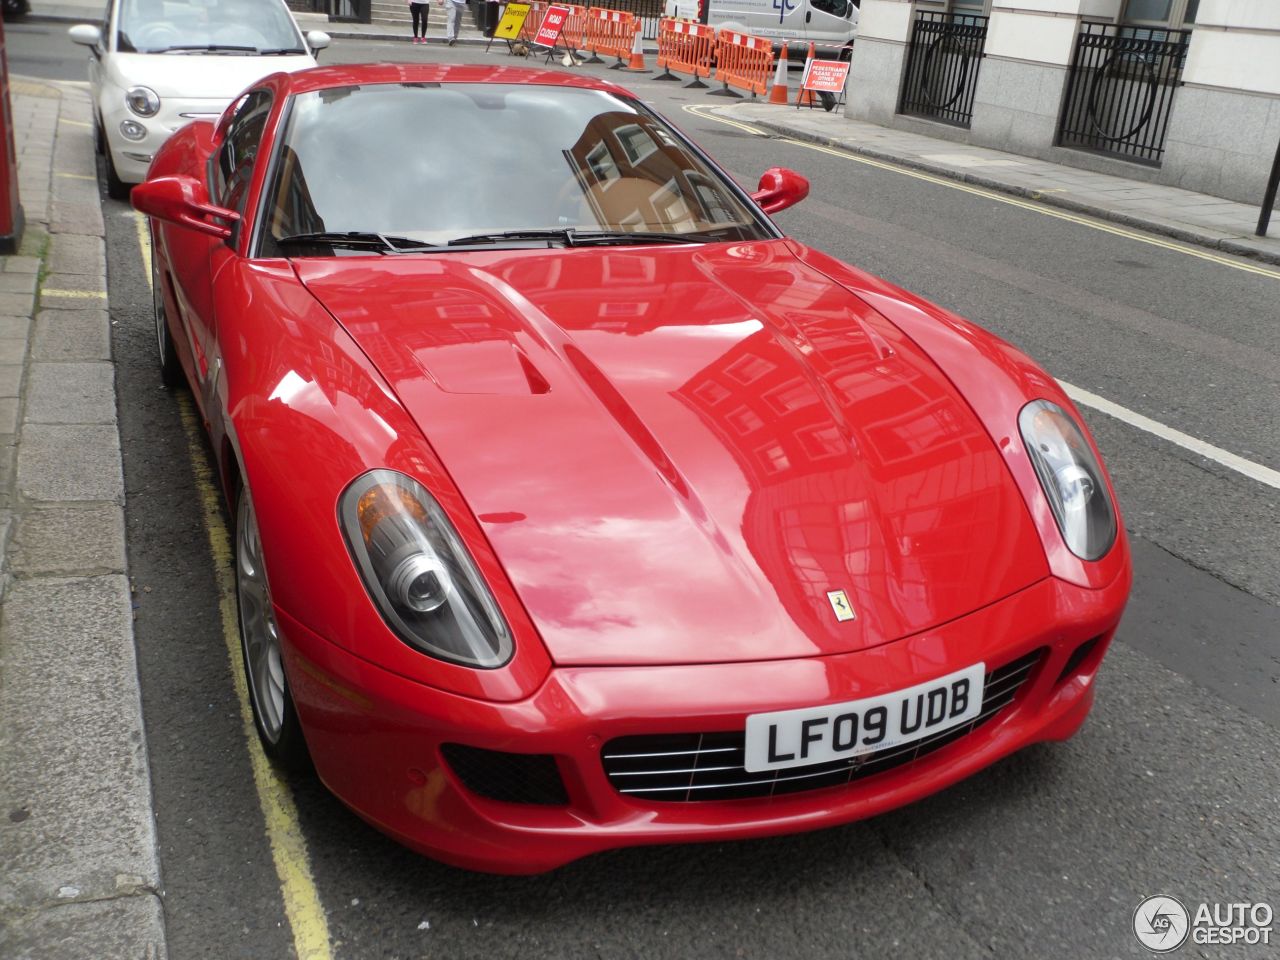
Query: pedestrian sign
[{"x": 827, "y": 76}]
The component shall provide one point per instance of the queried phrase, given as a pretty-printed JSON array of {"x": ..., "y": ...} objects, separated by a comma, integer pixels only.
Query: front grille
[
  {"x": 709, "y": 766},
  {"x": 510, "y": 777}
]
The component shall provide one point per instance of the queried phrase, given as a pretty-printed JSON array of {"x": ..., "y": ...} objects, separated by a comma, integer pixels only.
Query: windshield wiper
[
  {"x": 207, "y": 48},
  {"x": 358, "y": 239},
  {"x": 573, "y": 237},
  {"x": 569, "y": 236},
  {"x": 280, "y": 52},
  {"x": 606, "y": 237}
]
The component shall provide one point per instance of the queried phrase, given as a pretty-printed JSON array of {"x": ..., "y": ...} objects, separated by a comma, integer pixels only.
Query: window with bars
[{"x": 1160, "y": 13}]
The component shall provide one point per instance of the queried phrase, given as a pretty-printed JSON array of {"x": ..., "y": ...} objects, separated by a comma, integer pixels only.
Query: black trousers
[{"x": 419, "y": 11}]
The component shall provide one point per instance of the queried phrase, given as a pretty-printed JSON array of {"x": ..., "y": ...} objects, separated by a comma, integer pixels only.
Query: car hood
[
  {"x": 678, "y": 455},
  {"x": 197, "y": 76}
]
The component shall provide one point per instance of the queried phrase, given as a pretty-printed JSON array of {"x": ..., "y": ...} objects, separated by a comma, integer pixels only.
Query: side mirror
[
  {"x": 780, "y": 188},
  {"x": 317, "y": 40},
  {"x": 85, "y": 34},
  {"x": 182, "y": 200}
]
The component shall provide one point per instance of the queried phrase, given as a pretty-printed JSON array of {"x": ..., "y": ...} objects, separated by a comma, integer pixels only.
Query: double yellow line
[
  {"x": 707, "y": 113},
  {"x": 288, "y": 846}
]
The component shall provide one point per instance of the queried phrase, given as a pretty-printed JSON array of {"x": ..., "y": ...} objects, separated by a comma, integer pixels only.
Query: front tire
[
  {"x": 117, "y": 189},
  {"x": 170, "y": 366},
  {"x": 274, "y": 715}
]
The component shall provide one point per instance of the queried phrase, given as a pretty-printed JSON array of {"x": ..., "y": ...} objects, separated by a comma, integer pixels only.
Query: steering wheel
[
  {"x": 154, "y": 36},
  {"x": 240, "y": 35}
]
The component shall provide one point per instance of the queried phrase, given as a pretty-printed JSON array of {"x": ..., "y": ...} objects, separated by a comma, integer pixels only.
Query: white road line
[{"x": 1254, "y": 471}]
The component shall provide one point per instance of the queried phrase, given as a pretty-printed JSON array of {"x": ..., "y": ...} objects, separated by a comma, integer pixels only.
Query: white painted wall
[
  {"x": 1236, "y": 46},
  {"x": 1067, "y": 8},
  {"x": 1035, "y": 37},
  {"x": 1248, "y": 14},
  {"x": 1041, "y": 31},
  {"x": 885, "y": 20}
]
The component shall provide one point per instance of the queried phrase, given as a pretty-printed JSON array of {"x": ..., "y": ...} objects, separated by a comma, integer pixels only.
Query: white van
[{"x": 822, "y": 21}]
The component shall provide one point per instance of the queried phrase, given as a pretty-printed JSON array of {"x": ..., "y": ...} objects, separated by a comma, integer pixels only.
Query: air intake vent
[
  {"x": 709, "y": 766},
  {"x": 509, "y": 777}
]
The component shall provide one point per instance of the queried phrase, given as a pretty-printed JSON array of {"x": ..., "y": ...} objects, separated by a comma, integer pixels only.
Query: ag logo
[{"x": 1161, "y": 923}]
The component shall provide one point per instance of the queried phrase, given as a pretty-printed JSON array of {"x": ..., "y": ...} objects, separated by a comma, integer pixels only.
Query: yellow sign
[{"x": 512, "y": 21}]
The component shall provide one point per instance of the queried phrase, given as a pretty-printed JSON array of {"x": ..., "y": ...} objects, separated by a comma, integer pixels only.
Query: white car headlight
[
  {"x": 418, "y": 572},
  {"x": 143, "y": 101},
  {"x": 1071, "y": 477}
]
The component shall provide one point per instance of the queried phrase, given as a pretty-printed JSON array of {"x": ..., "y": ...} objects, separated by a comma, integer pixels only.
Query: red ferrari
[{"x": 576, "y": 506}]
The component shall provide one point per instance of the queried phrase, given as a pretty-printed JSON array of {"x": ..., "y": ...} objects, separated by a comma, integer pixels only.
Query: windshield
[
  {"x": 206, "y": 26},
  {"x": 441, "y": 163}
]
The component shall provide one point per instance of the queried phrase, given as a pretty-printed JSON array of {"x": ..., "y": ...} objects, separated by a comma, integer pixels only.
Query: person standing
[
  {"x": 453, "y": 14},
  {"x": 418, "y": 9}
]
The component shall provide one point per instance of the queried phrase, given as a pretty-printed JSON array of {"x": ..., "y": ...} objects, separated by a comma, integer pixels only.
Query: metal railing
[
  {"x": 942, "y": 67},
  {"x": 1120, "y": 90}
]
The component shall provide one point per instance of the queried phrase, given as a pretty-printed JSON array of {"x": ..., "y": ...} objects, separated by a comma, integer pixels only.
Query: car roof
[{"x": 321, "y": 78}]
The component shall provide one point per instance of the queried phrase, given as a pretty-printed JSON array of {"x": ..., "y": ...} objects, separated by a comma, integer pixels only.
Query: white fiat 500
[{"x": 156, "y": 65}]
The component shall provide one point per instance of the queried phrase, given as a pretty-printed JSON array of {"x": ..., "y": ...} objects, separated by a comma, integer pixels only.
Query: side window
[{"x": 233, "y": 163}]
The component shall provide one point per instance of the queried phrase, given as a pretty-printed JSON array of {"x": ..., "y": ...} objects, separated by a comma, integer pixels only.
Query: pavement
[
  {"x": 1192, "y": 217},
  {"x": 77, "y": 835}
]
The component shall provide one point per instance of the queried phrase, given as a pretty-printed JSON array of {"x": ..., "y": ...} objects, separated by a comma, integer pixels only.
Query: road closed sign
[
  {"x": 552, "y": 23},
  {"x": 825, "y": 76}
]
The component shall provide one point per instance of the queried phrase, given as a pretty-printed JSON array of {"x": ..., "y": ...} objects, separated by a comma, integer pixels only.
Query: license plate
[{"x": 839, "y": 731}]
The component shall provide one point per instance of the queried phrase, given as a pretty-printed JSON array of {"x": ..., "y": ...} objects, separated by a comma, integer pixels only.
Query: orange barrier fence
[
  {"x": 609, "y": 32},
  {"x": 575, "y": 25},
  {"x": 743, "y": 61},
  {"x": 531, "y": 22},
  {"x": 686, "y": 46}
]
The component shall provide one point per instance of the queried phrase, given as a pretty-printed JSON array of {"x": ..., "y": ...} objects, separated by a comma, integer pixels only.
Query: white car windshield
[{"x": 248, "y": 27}]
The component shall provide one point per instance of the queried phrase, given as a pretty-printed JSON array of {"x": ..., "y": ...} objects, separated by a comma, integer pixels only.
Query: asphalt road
[{"x": 1169, "y": 788}]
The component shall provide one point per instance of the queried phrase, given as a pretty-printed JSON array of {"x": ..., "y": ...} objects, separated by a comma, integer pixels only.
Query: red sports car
[{"x": 576, "y": 506}]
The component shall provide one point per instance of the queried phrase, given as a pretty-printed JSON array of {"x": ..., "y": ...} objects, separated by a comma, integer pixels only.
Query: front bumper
[{"x": 376, "y": 737}]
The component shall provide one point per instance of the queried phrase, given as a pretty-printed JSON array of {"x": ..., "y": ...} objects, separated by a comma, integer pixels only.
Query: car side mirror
[
  {"x": 183, "y": 200},
  {"x": 317, "y": 40},
  {"x": 780, "y": 188},
  {"x": 85, "y": 34}
]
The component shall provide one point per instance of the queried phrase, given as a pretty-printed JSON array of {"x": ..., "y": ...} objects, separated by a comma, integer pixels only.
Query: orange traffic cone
[
  {"x": 806, "y": 97},
  {"x": 637, "y": 54},
  {"x": 778, "y": 92}
]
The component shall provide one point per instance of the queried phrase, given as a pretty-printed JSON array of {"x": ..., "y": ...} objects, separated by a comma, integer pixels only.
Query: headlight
[
  {"x": 420, "y": 576},
  {"x": 143, "y": 101},
  {"x": 1071, "y": 477},
  {"x": 132, "y": 130}
]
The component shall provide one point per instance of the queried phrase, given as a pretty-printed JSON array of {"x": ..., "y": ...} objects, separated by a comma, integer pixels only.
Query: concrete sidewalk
[
  {"x": 80, "y": 868},
  {"x": 1193, "y": 217}
]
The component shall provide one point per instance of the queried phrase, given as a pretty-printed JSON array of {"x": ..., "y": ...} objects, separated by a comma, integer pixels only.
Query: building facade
[{"x": 1178, "y": 92}]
